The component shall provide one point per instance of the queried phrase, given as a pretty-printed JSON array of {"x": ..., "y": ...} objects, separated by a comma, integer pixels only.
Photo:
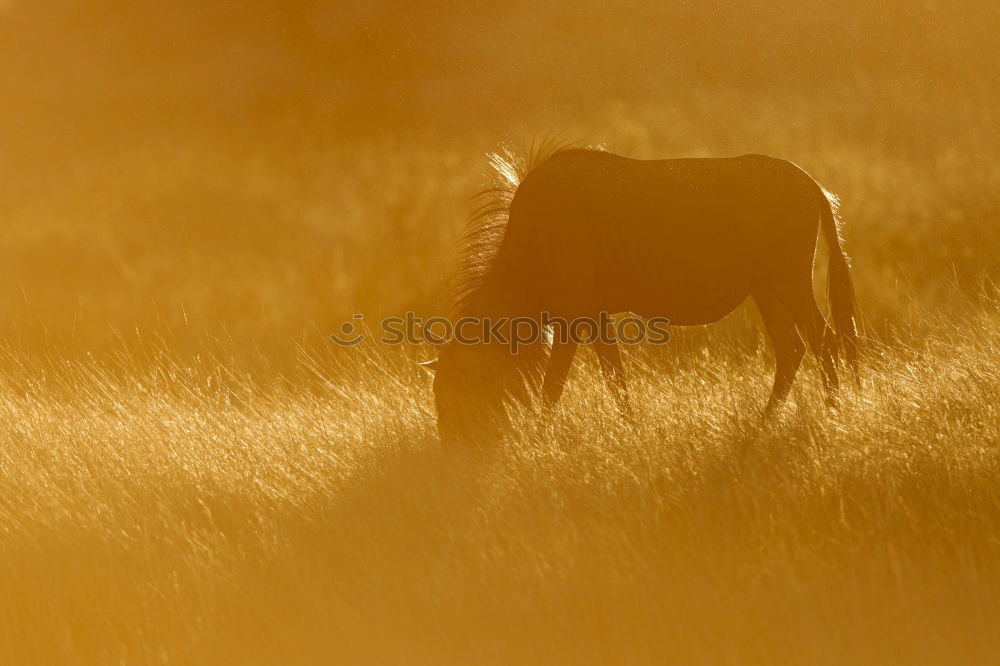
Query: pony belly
[
  {"x": 682, "y": 306},
  {"x": 708, "y": 311},
  {"x": 687, "y": 294}
]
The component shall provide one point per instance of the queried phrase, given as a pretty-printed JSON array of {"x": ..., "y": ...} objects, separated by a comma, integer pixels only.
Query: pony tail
[{"x": 840, "y": 287}]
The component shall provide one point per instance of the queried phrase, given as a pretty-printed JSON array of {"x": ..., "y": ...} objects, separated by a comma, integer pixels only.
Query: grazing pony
[{"x": 581, "y": 232}]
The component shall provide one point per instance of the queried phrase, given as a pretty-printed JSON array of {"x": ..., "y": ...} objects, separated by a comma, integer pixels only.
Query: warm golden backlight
[{"x": 194, "y": 195}]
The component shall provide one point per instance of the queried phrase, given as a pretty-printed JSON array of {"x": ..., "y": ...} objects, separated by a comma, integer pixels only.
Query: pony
[{"x": 576, "y": 232}]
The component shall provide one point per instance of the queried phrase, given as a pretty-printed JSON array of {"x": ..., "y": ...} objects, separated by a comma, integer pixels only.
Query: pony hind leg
[
  {"x": 822, "y": 344},
  {"x": 789, "y": 349},
  {"x": 609, "y": 357},
  {"x": 820, "y": 338}
]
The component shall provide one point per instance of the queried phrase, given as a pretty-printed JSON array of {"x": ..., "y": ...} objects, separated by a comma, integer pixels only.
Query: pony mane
[{"x": 485, "y": 226}]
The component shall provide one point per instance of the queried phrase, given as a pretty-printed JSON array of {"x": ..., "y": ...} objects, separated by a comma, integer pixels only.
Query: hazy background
[{"x": 256, "y": 171}]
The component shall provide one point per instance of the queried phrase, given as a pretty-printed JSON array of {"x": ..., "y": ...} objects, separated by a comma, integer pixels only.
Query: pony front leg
[{"x": 560, "y": 360}]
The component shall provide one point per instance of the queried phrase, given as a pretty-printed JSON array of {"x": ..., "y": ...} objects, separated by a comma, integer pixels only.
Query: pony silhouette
[{"x": 578, "y": 232}]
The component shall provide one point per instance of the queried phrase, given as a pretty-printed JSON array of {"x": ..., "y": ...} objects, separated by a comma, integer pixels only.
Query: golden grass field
[{"x": 190, "y": 473}]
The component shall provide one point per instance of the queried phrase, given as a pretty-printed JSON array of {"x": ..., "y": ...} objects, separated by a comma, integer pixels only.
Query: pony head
[{"x": 475, "y": 386}]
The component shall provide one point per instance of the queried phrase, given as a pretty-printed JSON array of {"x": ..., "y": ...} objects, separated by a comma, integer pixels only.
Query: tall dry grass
[{"x": 189, "y": 514}]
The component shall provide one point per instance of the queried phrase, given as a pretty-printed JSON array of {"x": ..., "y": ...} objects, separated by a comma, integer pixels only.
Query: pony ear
[{"x": 430, "y": 366}]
